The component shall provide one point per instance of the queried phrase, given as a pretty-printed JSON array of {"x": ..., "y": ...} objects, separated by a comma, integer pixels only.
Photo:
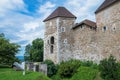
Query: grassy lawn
[
  {"x": 10, "y": 74},
  {"x": 83, "y": 73}
]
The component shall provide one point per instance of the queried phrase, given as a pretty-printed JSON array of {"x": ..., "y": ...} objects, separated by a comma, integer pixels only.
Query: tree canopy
[
  {"x": 7, "y": 50},
  {"x": 35, "y": 51}
]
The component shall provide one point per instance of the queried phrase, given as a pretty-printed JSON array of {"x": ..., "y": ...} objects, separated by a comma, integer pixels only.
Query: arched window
[
  {"x": 52, "y": 40},
  {"x": 51, "y": 48}
]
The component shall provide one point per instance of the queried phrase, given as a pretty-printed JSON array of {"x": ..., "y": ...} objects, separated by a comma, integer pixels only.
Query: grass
[
  {"x": 83, "y": 73},
  {"x": 98, "y": 77},
  {"x": 10, "y": 74}
]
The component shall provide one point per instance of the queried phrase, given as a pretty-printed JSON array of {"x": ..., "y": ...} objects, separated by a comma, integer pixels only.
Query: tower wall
[
  {"x": 51, "y": 31},
  {"x": 65, "y": 38},
  {"x": 109, "y": 17},
  {"x": 108, "y": 30}
]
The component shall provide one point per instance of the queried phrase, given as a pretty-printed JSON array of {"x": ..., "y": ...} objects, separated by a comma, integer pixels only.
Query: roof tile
[
  {"x": 60, "y": 12},
  {"x": 87, "y": 22}
]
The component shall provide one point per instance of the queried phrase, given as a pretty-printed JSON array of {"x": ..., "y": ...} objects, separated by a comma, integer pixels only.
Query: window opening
[
  {"x": 104, "y": 28},
  {"x": 51, "y": 49},
  {"x": 52, "y": 40}
]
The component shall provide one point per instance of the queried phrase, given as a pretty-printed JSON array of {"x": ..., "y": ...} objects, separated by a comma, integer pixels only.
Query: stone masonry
[{"x": 62, "y": 42}]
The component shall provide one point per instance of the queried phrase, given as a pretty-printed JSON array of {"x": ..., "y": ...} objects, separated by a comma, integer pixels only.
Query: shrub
[
  {"x": 89, "y": 64},
  {"x": 109, "y": 69},
  {"x": 4, "y": 66},
  {"x": 51, "y": 68},
  {"x": 68, "y": 68},
  {"x": 56, "y": 77},
  {"x": 85, "y": 73}
]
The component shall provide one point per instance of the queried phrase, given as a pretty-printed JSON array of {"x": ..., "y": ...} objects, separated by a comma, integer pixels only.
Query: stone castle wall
[
  {"x": 99, "y": 44},
  {"x": 108, "y": 39},
  {"x": 109, "y": 17},
  {"x": 65, "y": 38},
  {"x": 84, "y": 43}
]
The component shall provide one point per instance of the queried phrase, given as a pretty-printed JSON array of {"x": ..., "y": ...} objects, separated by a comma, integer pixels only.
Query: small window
[
  {"x": 51, "y": 49},
  {"x": 52, "y": 40},
  {"x": 113, "y": 28},
  {"x": 63, "y": 29},
  {"x": 91, "y": 27},
  {"x": 65, "y": 41},
  {"x": 104, "y": 28},
  {"x": 81, "y": 26}
]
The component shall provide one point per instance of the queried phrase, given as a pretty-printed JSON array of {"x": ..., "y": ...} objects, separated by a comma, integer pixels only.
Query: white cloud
[
  {"x": 29, "y": 36},
  {"x": 46, "y": 9},
  {"x": 7, "y": 5},
  {"x": 31, "y": 26},
  {"x": 82, "y": 9},
  {"x": 31, "y": 31},
  {"x": 27, "y": 28}
]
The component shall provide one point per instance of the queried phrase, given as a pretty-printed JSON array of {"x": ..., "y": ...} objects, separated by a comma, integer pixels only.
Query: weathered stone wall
[
  {"x": 84, "y": 43},
  {"x": 109, "y": 17},
  {"x": 65, "y": 38},
  {"x": 60, "y": 29},
  {"x": 108, "y": 40},
  {"x": 50, "y": 30},
  {"x": 99, "y": 44}
]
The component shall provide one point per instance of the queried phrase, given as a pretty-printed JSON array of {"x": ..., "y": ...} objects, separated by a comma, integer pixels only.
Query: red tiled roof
[
  {"x": 105, "y": 4},
  {"x": 87, "y": 22},
  {"x": 60, "y": 12}
]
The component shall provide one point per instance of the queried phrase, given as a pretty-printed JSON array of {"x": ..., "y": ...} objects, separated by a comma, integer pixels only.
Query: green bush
[
  {"x": 89, "y": 64},
  {"x": 85, "y": 73},
  {"x": 68, "y": 68},
  {"x": 56, "y": 77},
  {"x": 51, "y": 68},
  {"x": 4, "y": 66},
  {"x": 109, "y": 69}
]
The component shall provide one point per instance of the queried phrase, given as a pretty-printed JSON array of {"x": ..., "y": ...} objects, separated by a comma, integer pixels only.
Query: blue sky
[{"x": 22, "y": 20}]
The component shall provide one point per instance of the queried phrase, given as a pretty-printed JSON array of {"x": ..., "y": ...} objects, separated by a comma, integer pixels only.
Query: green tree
[
  {"x": 2, "y": 35},
  {"x": 109, "y": 69},
  {"x": 35, "y": 50},
  {"x": 27, "y": 52},
  {"x": 7, "y": 51}
]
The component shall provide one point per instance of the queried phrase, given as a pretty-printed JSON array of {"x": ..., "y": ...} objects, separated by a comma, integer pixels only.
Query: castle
[{"x": 64, "y": 39}]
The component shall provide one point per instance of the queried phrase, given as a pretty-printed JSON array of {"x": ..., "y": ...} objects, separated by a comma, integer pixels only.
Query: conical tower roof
[{"x": 60, "y": 12}]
